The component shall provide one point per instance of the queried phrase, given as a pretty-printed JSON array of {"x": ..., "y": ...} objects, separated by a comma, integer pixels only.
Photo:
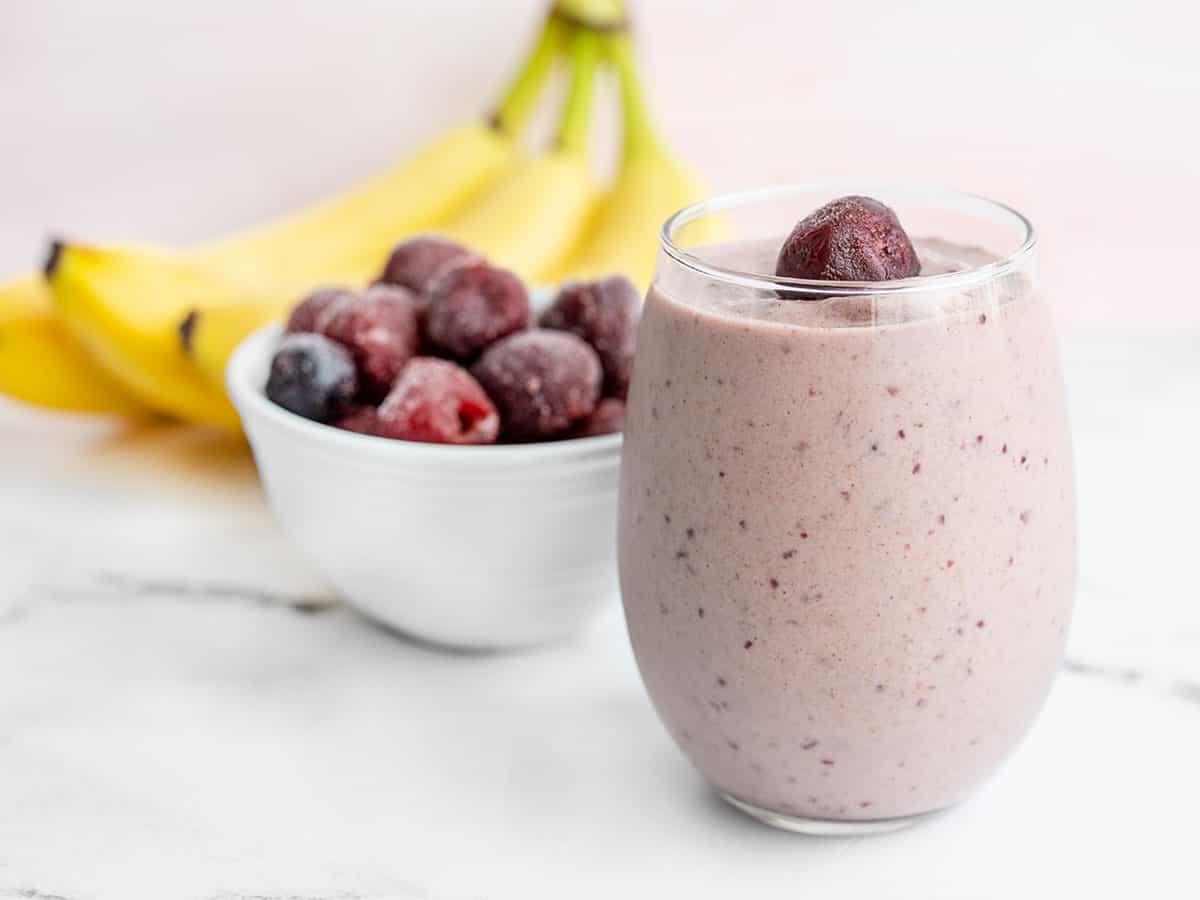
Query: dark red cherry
[{"x": 849, "y": 239}]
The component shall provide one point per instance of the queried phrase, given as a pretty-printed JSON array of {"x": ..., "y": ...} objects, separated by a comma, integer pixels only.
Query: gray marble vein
[{"x": 200, "y": 592}]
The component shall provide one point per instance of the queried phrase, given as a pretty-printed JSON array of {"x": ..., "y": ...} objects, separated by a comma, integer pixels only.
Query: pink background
[{"x": 173, "y": 122}]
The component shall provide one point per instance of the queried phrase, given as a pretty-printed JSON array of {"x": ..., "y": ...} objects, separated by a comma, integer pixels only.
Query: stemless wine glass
[{"x": 847, "y": 512}]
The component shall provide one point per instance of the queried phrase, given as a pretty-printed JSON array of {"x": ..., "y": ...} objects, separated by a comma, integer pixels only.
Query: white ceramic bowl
[{"x": 470, "y": 547}]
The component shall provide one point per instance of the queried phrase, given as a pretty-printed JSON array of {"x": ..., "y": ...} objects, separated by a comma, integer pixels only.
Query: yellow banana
[
  {"x": 136, "y": 338},
  {"x": 127, "y": 308},
  {"x": 531, "y": 218},
  {"x": 42, "y": 364},
  {"x": 650, "y": 186}
]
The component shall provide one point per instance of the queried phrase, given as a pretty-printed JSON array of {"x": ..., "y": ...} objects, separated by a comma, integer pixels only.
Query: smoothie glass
[{"x": 847, "y": 514}]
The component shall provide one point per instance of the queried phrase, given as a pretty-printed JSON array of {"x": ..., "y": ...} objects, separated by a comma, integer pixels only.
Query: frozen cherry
[
  {"x": 414, "y": 263},
  {"x": 607, "y": 418},
  {"x": 542, "y": 381},
  {"x": 380, "y": 328},
  {"x": 308, "y": 311},
  {"x": 473, "y": 305},
  {"x": 360, "y": 419},
  {"x": 438, "y": 402},
  {"x": 312, "y": 376},
  {"x": 604, "y": 313},
  {"x": 849, "y": 239}
]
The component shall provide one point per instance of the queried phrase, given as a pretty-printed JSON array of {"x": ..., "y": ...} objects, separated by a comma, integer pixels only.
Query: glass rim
[{"x": 823, "y": 289}]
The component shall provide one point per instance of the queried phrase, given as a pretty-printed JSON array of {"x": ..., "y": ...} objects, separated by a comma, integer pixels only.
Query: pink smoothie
[{"x": 847, "y": 548}]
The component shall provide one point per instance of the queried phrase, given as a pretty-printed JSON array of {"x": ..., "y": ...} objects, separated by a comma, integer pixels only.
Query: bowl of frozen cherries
[{"x": 444, "y": 445}]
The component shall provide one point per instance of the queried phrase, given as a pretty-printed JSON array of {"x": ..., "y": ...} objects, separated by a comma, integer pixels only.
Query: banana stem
[
  {"x": 575, "y": 128},
  {"x": 515, "y": 108},
  {"x": 641, "y": 136}
]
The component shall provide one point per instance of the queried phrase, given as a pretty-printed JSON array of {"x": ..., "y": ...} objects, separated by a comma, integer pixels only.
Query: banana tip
[
  {"x": 52, "y": 257},
  {"x": 187, "y": 328}
]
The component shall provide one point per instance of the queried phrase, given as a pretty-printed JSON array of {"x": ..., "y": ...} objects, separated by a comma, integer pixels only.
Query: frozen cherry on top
[
  {"x": 849, "y": 239},
  {"x": 307, "y": 313},
  {"x": 380, "y": 329},
  {"x": 471, "y": 305},
  {"x": 542, "y": 381},
  {"x": 604, "y": 313},
  {"x": 312, "y": 376},
  {"x": 438, "y": 402},
  {"x": 414, "y": 263}
]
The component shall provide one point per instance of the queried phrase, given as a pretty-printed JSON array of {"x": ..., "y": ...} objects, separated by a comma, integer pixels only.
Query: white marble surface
[{"x": 185, "y": 713}]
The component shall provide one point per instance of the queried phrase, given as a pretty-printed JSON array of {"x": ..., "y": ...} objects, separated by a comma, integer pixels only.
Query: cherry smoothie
[{"x": 847, "y": 529}]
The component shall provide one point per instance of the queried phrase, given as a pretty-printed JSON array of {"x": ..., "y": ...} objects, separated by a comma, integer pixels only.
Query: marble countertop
[{"x": 186, "y": 713}]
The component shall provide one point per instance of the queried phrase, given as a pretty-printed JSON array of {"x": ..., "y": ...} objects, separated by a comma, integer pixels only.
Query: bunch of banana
[{"x": 122, "y": 330}]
